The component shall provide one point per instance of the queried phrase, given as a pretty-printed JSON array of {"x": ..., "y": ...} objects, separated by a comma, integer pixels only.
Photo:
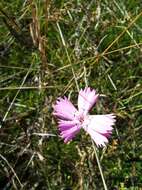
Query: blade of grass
[{"x": 69, "y": 60}]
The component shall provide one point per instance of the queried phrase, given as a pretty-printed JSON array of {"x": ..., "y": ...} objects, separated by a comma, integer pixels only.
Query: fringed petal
[
  {"x": 86, "y": 100},
  {"x": 64, "y": 109},
  {"x": 99, "y": 127}
]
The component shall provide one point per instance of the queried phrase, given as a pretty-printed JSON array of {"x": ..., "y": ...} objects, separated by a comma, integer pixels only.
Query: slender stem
[{"x": 99, "y": 165}]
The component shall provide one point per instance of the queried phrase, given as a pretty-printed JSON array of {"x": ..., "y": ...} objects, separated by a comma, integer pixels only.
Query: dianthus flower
[{"x": 71, "y": 120}]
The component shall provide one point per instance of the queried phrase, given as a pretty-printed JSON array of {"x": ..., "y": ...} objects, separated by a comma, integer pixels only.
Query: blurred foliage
[{"x": 46, "y": 47}]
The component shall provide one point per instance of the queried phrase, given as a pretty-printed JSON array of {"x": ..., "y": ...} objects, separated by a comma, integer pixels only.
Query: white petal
[
  {"x": 100, "y": 123},
  {"x": 86, "y": 100},
  {"x": 99, "y": 139},
  {"x": 99, "y": 127}
]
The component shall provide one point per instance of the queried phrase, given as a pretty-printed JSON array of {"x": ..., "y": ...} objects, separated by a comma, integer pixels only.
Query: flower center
[{"x": 81, "y": 119}]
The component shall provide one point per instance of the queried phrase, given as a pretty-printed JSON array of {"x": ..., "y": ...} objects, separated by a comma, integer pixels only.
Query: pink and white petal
[
  {"x": 69, "y": 134},
  {"x": 70, "y": 131},
  {"x": 69, "y": 138},
  {"x": 86, "y": 100},
  {"x": 65, "y": 125},
  {"x": 64, "y": 109},
  {"x": 108, "y": 134},
  {"x": 99, "y": 139},
  {"x": 101, "y": 123}
]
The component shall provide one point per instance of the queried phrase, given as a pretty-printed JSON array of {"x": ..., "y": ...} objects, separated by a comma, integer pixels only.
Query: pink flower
[{"x": 71, "y": 120}]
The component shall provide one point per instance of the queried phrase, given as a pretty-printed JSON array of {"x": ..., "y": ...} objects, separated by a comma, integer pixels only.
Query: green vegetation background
[{"x": 50, "y": 49}]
